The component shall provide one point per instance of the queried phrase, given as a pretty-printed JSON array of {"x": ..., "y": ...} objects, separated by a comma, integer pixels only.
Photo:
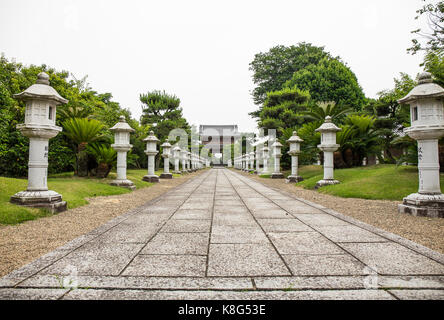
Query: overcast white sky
[{"x": 200, "y": 50}]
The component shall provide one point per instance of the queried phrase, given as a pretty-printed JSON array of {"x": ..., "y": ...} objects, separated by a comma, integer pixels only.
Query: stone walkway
[{"x": 222, "y": 235}]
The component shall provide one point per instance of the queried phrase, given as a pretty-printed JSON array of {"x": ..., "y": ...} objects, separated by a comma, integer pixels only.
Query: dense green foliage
[
  {"x": 75, "y": 191},
  {"x": 83, "y": 103},
  {"x": 273, "y": 68},
  {"x": 329, "y": 80}
]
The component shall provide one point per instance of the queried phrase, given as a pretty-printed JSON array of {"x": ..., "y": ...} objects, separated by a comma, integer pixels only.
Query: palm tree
[
  {"x": 319, "y": 111},
  {"x": 82, "y": 131},
  {"x": 105, "y": 157}
]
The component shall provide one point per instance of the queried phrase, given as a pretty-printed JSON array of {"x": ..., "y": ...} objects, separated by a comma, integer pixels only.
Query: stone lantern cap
[
  {"x": 265, "y": 148},
  {"x": 151, "y": 137},
  {"x": 277, "y": 144},
  {"x": 122, "y": 126},
  {"x": 328, "y": 126},
  {"x": 425, "y": 89},
  {"x": 166, "y": 145},
  {"x": 41, "y": 90},
  {"x": 294, "y": 138}
]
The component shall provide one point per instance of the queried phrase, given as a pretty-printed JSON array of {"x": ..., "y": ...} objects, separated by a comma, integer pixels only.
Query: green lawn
[
  {"x": 73, "y": 189},
  {"x": 388, "y": 182}
]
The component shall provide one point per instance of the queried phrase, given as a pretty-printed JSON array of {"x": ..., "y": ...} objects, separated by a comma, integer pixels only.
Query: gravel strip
[
  {"x": 382, "y": 214},
  {"x": 22, "y": 243}
]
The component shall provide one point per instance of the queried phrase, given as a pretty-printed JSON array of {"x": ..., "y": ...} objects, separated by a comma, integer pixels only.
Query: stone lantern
[
  {"x": 246, "y": 162},
  {"x": 122, "y": 145},
  {"x": 183, "y": 157},
  {"x": 176, "y": 156},
  {"x": 151, "y": 151},
  {"x": 40, "y": 113},
  {"x": 328, "y": 144},
  {"x": 166, "y": 174},
  {"x": 265, "y": 151},
  {"x": 277, "y": 174},
  {"x": 427, "y": 126},
  {"x": 251, "y": 161},
  {"x": 189, "y": 161},
  {"x": 258, "y": 159},
  {"x": 295, "y": 150}
]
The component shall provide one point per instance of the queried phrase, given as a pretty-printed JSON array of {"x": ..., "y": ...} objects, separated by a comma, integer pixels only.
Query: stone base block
[
  {"x": 47, "y": 199},
  {"x": 326, "y": 182},
  {"x": 277, "y": 175},
  {"x": 423, "y": 205},
  {"x": 294, "y": 179},
  {"x": 177, "y": 172},
  {"x": 153, "y": 178},
  {"x": 166, "y": 176},
  {"x": 123, "y": 183}
]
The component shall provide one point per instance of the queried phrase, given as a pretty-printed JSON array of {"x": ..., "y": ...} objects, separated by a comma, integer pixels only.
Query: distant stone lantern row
[{"x": 40, "y": 114}]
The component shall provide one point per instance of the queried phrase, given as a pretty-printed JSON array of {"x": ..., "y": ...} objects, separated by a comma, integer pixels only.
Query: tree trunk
[
  {"x": 102, "y": 170},
  {"x": 82, "y": 160}
]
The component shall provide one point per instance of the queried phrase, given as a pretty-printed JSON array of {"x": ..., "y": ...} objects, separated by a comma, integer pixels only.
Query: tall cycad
[
  {"x": 82, "y": 131},
  {"x": 105, "y": 157},
  {"x": 319, "y": 111}
]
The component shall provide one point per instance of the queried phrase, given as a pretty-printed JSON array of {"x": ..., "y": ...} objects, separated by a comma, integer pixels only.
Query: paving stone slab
[
  {"x": 238, "y": 234},
  {"x": 315, "y": 283},
  {"x": 271, "y": 214},
  {"x": 320, "y": 220},
  {"x": 230, "y": 209},
  {"x": 233, "y": 219},
  {"x": 187, "y": 226},
  {"x": 349, "y": 233},
  {"x": 197, "y": 206},
  {"x": 192, "y": 214},
  {"x": 393, "y": 259},
  {"x": 244, "y": 260},
  {"x": 283, "y": 225},
  {"x": 167, "y": 266},
  {"x": 312, "y": 265},
  {"x": 303, "y": 243},
  {"x": 140, "y": 282},
  {"x": 411, "y": 282},
  {"x": 95, "y": 258},
  {"x": 227, "y": 295},
  {"x": 32, "y": 294},
  {"x": 418, "y": 294},
  {"x": 128, "y": 233},
  {"x": 178, "y": 243}
]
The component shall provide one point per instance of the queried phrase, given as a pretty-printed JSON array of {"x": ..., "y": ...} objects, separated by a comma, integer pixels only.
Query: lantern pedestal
[
  {"x": 121, "y": 180},
  {"x": 151, "y": 178},
  {"x": 277, "y": 175},
  {"x": 166, "y": 175},
  {"x": 424, "y": 205},
  {"x": 428, "y": 201},
  {"x": 295, "y": 179},
  {"x": 326, "y": 182},
  {"x": 37, "y": 194},
  {"x": 49, "y": 200}
]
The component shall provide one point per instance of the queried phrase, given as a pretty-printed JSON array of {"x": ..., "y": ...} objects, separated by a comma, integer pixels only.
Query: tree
[
  {"x": 105, "y": 157},
  {"x": 434, "y": 63},
  {"x": 273, "y": 68},
  {"x": 329, "y": 80},
  {"x": 163, "y": 113},
  {"x": 392, "y": 117},
  {"x": 320, "y": 110},
  {"x": 82, "y": 131},
  {"x": 283, "y": 109},
  {"x": 435, "y": 36}
]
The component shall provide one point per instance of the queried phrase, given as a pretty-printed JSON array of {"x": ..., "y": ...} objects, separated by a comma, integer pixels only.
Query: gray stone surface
[
  {"x": 167, "y": 266},
  {"x": 418, "y": 294},
  {"x": 303, "y": 243},
  {"x": 244, "y": 260},
  {"x": 319, "y": 265},
  {"x": 392, "y": 258},
  {"x": 224, "y": 236},
  {"x": 178, "y": 243}
]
